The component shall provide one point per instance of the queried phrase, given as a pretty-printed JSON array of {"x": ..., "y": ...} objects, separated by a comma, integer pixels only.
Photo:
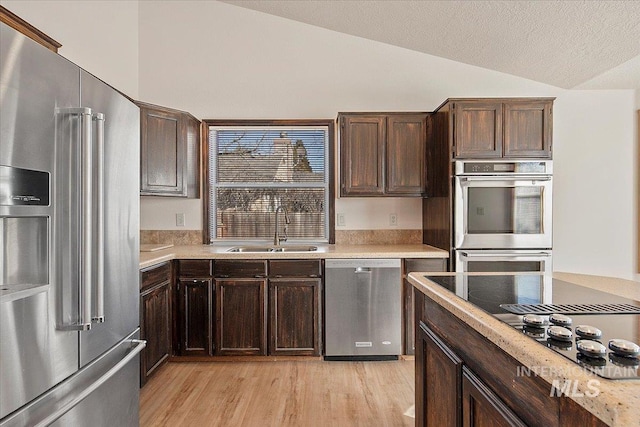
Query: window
[{"x": 254, "y": 167}]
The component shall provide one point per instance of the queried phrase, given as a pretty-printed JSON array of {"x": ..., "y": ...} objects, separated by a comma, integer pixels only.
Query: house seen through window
[{"x": 253, "y": 170}]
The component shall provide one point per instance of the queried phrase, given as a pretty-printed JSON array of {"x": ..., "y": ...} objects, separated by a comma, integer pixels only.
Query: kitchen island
[{"x": 484, "y": 368}]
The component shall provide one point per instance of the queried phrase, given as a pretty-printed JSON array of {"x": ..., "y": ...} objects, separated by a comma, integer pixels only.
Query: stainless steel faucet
[{"x": 276, "y": 238}]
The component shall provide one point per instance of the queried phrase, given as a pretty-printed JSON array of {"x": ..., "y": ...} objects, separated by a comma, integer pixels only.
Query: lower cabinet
[
  {"x": 463, "y": 379},
  {"x": 448, "y": 392},
  {"x": 294, "y": 316},
  {"x": 411, "y": 265},
  {"x": 438, "y": 381},
  {"x": 268, "y": 307},
  {"x": 481, "y": 406},
  {"x": 193, "y": 312},
  {"x": 194, "y": 308},
  {"x": 241, "y": 317},
  {"x": 155, "y": 319}
]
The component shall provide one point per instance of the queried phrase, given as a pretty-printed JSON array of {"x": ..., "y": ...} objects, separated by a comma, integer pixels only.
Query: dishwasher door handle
[{"x": 363, "y": 270}]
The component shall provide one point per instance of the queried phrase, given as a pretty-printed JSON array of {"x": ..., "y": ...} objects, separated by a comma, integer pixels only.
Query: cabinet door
[
  {"x": 155, "y": 328},
  {"x": 411, "y": 265},
  {"x": 162, "y": 153},
  {"x": 406, "y": 154},
  {"x": 438, "y": 381},
  {"x": 477, "y": 129},
  {"x": 241, "y": 324},
  {"x": 195, "y": 298},
  {"x": 527, "y": 129},
  {"x": 362, "y": 140},
  {"x": 481, "y": 407},
  {"x": 294, "y": 317},
  {"x": 191, "y": 171}
]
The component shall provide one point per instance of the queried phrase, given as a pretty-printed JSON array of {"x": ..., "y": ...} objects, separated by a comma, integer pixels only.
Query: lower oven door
[{"x": 512, "y": 260}]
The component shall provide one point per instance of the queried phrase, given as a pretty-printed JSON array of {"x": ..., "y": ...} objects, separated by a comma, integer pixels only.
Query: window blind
[{"x": 254, "y": 170}]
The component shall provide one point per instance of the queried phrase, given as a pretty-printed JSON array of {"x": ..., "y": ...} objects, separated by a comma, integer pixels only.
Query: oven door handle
[
  {"x": 510, "y": 178},
  {"x": 505, "y": 256}
]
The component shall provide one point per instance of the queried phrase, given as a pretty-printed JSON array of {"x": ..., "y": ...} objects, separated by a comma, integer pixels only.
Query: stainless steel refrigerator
[{"x": 69, "y": 255}]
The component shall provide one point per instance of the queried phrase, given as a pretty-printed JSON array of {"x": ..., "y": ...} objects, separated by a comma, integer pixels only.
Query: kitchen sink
[{"x": 288, "y": 248}]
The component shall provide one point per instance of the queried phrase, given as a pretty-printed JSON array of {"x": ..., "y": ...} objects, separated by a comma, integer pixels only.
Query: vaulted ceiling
[{"x": 570, "y": 44}]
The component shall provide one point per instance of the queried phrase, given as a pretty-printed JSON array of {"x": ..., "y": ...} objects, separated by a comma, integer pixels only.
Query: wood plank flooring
[{"x": 281, "y": 393}]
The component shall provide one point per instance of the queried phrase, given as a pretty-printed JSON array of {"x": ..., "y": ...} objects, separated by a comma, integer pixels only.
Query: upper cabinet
[
  {"x": 382, "y": 154},
  {"x": 169, "y": 152},
  {"x": 19, "y": 24},
  {"x": 500, "y": 128}
]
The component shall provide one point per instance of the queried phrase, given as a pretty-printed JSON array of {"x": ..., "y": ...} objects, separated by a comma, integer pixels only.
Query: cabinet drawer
[
  {"x": 424, "y": 264},
  {"x": 295, "y": 268},
  {"x": 247, "y": 269},
  {"x": 195, "y": 268},
  {"x": 155, "y": 275}
]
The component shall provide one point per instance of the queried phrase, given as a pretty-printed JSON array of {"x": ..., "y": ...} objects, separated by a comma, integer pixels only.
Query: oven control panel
[{"x": 502, "y": 167}]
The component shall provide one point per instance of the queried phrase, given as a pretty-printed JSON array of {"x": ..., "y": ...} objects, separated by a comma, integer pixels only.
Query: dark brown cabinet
[
  {"x": 268, "y": 307},
  {"x": 462, "y": 378},
  {"x": 169, "y": 152},
  {"x": 194, "y": 319},
  {"x": 500, "y": 128},
  {"x": 241, "y": 322},
  {"x": 382, "y": 154},
  {"x": 240, "y": 312},
  {"x": 155, "y": 318},
  {"x": 294, "y": 307},
  {"x": 410, "y": 265},
  {"x": 19, "y": 24},
  {"x": 481, "y": 407},
  {"x": 449, "y": 393},
  {"x": 438, "y": 381}
]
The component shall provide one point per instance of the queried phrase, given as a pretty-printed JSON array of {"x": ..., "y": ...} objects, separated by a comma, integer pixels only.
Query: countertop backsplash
[{"x": 344, "y": 237}]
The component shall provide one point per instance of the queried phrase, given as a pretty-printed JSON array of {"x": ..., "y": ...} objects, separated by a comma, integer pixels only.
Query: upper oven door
[{"x": 502, "y": 212}]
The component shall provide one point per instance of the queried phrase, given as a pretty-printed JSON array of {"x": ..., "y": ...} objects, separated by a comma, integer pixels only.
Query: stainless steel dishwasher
[{"x": 363, "y": 309}]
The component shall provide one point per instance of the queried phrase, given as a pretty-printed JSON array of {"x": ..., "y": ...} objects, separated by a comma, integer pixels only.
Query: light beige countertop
[
  {"x": 618, "y": 401},
  {"x": 148, "y": 259}
]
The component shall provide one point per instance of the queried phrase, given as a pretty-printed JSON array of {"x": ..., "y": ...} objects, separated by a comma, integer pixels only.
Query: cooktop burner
[{"x": 602, "y": 341}]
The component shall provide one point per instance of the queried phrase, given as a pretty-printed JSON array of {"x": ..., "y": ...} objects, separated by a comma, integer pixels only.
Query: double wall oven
[{"x": 502, "y": 215}]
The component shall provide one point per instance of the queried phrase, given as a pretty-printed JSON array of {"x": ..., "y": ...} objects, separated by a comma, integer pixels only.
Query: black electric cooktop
[{"x": 562, "y": 316}]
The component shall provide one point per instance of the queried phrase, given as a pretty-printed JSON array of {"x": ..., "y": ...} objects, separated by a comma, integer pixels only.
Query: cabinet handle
[
  {"x": 313, "y": 275},
  {"x": 277, "y": 276},
  {"x": 260, "y": 276},
  {"x": 222, "y": 276}
]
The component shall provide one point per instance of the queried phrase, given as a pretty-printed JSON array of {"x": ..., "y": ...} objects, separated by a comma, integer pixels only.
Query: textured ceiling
[{"x": 569, "y": 44}]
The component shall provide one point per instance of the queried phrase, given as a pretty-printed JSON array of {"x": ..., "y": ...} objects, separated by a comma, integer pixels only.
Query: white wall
[
  {"x": 594, "y": 182},
  {"x": 220, "y": 61},
  {"x": 245, "y": 64},
  {"x": 99, "y": 36}
]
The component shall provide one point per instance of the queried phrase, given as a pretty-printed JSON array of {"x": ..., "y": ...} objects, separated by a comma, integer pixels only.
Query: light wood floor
[{"x": 281, "y": 393}]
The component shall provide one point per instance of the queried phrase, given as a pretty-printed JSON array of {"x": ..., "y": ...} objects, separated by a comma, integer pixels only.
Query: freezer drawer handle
[
  {"x": 139, "y": 345},
  {"x": 363, "y": 270}
]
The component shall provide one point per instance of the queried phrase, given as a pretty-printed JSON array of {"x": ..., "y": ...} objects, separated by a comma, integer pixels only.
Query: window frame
[{"x": 206, "y": 202}]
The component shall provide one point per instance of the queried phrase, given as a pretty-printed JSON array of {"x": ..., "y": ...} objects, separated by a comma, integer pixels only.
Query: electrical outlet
[
  {"x": 340, "y": 221},
  {"x": 179, "y": 220},
  {"x": 393, "y": 219}
]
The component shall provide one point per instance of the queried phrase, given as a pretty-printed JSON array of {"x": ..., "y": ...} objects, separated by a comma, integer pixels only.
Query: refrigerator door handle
[
  {"x": 98, "y": 315},
  {"x": 84, "y": 291},
  {"x": 139, "y": 346}
]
